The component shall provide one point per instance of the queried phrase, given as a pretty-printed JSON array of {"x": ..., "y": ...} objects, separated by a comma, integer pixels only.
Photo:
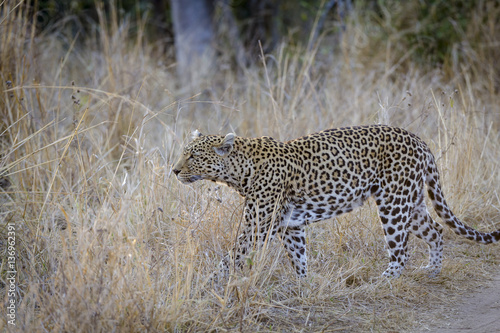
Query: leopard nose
[{"x": 176, "y": 171}]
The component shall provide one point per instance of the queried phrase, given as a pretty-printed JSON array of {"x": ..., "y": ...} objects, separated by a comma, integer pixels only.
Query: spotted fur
[{"x": 287, "y": 185}]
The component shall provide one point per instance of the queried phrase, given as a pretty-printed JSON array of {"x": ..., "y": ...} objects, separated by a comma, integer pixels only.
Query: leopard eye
[{"x": 192, "y": 155}]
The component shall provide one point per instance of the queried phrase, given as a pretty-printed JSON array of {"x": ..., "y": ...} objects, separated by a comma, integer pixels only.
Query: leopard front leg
[
  {"x": 294, "y": 241},
  {"x": 234, "y": 257},
  {"x": 259, "y": 227}
]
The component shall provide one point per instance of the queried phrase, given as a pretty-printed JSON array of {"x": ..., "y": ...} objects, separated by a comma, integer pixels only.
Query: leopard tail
[{"x": 444, "y": 212}]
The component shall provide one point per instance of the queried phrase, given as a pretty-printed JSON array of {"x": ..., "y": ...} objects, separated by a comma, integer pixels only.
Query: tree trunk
[{"x": 194, "y": 34}]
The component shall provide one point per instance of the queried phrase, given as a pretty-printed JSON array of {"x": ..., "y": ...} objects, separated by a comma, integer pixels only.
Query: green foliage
[
  {"x": 440, "y": 25},
  {"x": 432, "y": 29},
  {"x": 83, "y": 14}
]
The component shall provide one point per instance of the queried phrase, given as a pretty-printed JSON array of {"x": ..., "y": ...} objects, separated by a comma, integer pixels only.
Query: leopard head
[{"x": 204, "y": 158}]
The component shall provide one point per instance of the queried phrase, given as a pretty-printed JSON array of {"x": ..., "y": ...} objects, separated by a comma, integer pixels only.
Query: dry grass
[{"x": 108, "y": 240}]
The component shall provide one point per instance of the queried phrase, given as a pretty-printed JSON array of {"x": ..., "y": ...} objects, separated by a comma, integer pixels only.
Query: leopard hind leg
[
  {"x": 425, "y": 228},
  {"x": 394, "y": 218}
]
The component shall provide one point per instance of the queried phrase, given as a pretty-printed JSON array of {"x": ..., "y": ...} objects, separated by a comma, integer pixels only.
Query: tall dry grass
[{"x": 108, "y": 240}]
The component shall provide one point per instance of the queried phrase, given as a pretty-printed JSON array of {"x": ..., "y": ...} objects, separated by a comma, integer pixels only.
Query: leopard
[{"x": 289, "y": 185}]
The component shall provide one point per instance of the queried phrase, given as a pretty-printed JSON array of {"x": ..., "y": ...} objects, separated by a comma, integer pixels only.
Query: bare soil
[{"x": 476, "y": 312}]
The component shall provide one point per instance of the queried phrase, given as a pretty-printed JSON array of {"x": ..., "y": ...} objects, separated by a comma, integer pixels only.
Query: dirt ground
[{"x": 476, "y": 312}]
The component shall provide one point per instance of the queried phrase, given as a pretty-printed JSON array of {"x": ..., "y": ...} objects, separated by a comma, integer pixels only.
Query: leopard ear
[
  {"x": 195, "y": 134},
  {"x": 226, "y": 146}
]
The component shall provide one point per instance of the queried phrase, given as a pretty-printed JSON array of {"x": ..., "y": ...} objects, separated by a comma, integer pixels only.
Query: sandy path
[{"x": 478, "y": 312}]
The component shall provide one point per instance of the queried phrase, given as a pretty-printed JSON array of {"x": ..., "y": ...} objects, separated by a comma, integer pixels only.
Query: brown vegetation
[{"x": 108, "y": 240}]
